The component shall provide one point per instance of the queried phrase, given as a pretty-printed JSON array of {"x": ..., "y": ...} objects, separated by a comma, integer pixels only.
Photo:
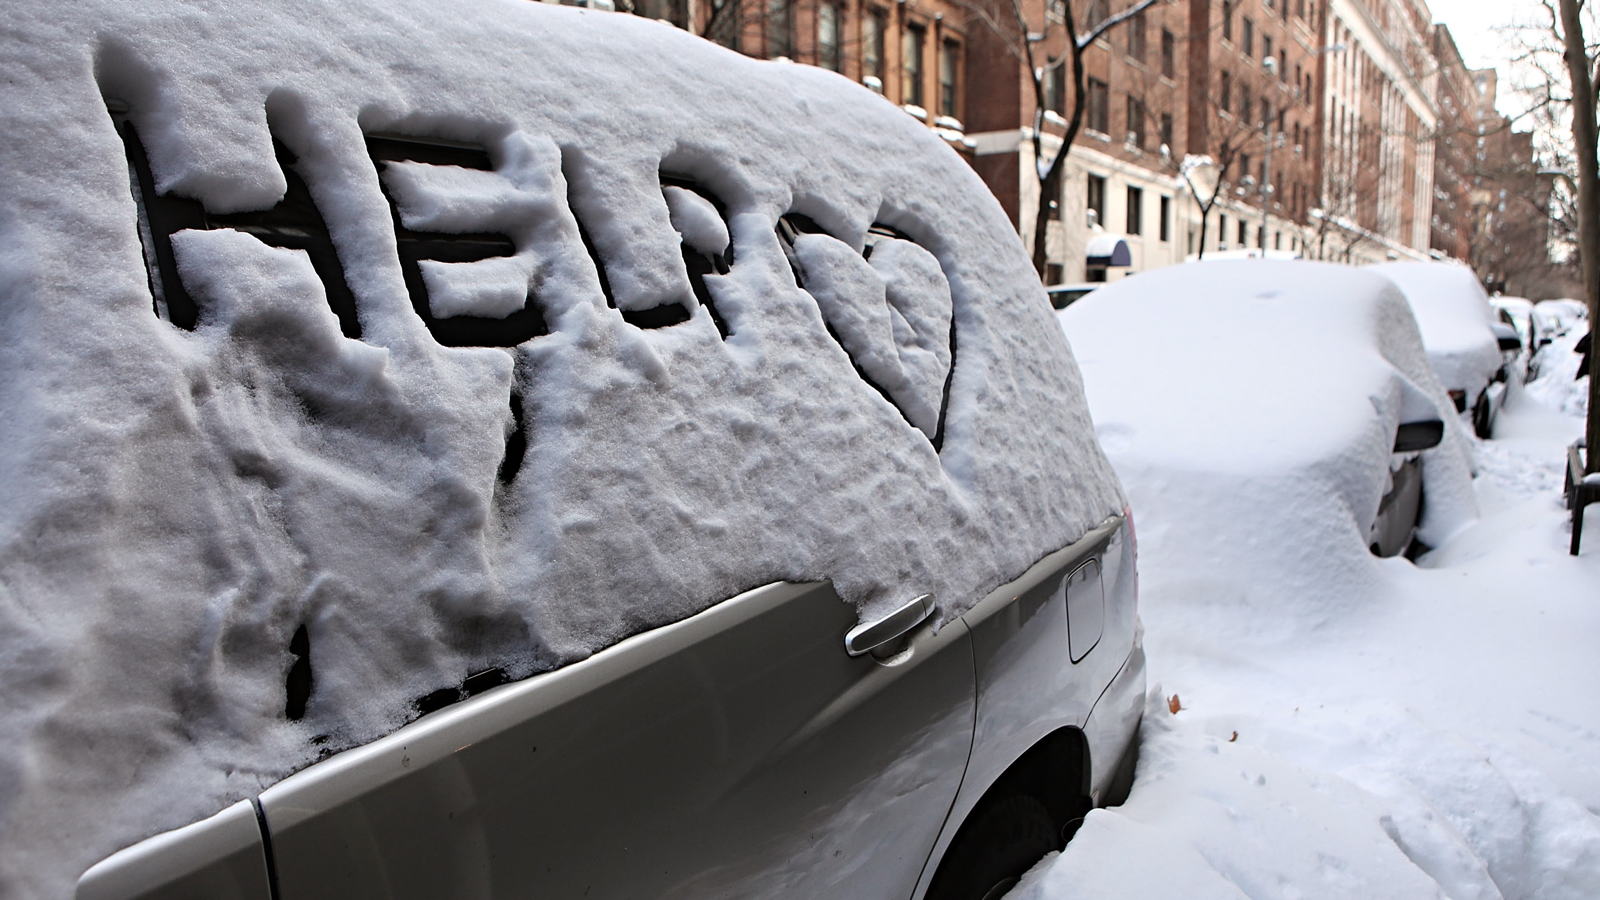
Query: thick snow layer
[
  {"x": 176, "y": 504},
  {"x": 1434, "y": 737},
  {"x": 1453, "y": 312}
]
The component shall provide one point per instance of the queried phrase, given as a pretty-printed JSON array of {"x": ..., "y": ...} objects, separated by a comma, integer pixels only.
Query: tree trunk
[{"x": 1584, "y": 141}]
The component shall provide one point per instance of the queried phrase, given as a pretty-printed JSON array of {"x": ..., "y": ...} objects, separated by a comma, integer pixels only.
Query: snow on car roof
[
  {"x": 1452, "y": 310},
  {"x": 180, "y": 503},
  {"x": 1262, "y": 397}
]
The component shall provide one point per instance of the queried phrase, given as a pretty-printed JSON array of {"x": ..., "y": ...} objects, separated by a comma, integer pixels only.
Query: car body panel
[
  {"x": 218, "y": 858},
  {"x": 1392, "y": 529},
  {"x": 1027, "y": 686},
  {"x": 737, "y": 753}
]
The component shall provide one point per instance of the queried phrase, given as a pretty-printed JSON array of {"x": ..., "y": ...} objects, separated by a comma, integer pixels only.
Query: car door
[{"x": 738, "y": 753}]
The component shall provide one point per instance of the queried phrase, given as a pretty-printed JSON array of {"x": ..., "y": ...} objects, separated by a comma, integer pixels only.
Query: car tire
[
  {"x": 1483, "y": 417},
  {"x": 1002, "y": 840}
]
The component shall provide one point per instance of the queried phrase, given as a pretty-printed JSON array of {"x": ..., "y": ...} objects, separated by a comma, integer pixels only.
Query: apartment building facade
[
  {"x": 913, "y": 52},
  {"x": 1320, "y": 128},
  {"x": 1380, "y": 120}
]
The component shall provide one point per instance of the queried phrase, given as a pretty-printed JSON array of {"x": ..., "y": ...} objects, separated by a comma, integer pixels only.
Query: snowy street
[{"x": 1439, "y": 740}]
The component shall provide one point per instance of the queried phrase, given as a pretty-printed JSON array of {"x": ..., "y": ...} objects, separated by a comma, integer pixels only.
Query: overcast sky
[{"x": 1476, "y": 26}]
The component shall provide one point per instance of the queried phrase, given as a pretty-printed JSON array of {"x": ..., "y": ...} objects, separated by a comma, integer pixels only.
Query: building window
[
  {"x": 1283, "y": 65},
  {"x": 1244, "y": 103},
  {"x": 871, "y": 47},
  {"x": 1135, "y": 211},
  {"x": 1099, "y": 11},
  {"x": 1136, "y": 37},
  {"x": 949, "y": 83},
  {"x": 1248, "y": 42},
  {"x": 723, "y": 24},
  {"x": 1169, "y": 53},
  {"x": 674, "y": 11},
  {"x": 1266, "y": 112},
  {"x": 1225, "y": 92},
  {"x": 1222, "y": 230},
  {"x": 1095, "y": 195},
  {"x": 1099, "y": 106},
  {"x": 828, "y": 36},
  {"x": 1055, "y": 88},
  {"x": 1266, "y": 46},
  {"x": 1244, "y": 233},
  {"x": 1053, "y": 273},
  {"x": 911, "y": 73},
  {"x": 1166, "y": 129},
  {"x": 1164, "y": 224},
  {"x": 1136, "y": 121},
  {"x": 1227, "y": 20},
  {"x": 780, "y": 14}
]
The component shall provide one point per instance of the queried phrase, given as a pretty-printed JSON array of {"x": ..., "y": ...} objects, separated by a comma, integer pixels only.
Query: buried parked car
[
  {"x": 502, "y": 449},
  {"x": 1467, "y": 345},
  {"x": 1213, "y": 385}
]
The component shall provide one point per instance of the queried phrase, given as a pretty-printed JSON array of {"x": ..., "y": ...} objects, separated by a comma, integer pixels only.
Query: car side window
[
  {"x": 393, "y": 154},
  {"x": 294, "y": 223}
]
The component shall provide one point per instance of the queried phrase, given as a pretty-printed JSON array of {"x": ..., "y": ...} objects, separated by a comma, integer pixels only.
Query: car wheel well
[
  {"x": 1052, "y": 776},
  {"x": 1055, "y": 770}
]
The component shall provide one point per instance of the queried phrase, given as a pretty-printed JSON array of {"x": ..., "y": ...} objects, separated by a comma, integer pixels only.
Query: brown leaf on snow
[
  {"x": 1234, "y": 738},
  {"x": 1173, "y": 704}
]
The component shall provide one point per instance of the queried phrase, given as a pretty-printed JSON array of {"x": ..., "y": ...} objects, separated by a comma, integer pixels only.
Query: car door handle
[{"x": 868, "y": 635}]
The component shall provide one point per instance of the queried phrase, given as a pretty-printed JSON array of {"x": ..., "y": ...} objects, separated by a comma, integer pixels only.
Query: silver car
[{"x": 531, "y": 451}]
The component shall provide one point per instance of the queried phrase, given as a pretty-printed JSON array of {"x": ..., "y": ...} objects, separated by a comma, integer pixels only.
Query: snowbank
[
  {"x": 1453, "y": 313},
  {"x": 177, "y": 503}
]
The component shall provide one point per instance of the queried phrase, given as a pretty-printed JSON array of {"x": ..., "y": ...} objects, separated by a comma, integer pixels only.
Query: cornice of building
[{"x": 1391, "y": 59}]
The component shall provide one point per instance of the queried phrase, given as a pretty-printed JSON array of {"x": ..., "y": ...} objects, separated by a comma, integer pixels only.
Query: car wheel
[
  {"x": 994, "y": 848},
  {"x": 1483, "y": 417}
]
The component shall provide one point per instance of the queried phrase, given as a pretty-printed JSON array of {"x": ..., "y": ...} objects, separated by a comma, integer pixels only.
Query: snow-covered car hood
[
  {"x": 1453, "y": 313},
  {"x": 1265, "y": 395},
  {"x": 178, "y": 504}
]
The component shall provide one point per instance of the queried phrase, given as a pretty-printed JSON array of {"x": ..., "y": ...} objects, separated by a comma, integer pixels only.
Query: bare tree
[
  {"x": 1565, "y": 89},
  {"x": 1581, "y": 71},
  {"x": 1043, "y": 48}
]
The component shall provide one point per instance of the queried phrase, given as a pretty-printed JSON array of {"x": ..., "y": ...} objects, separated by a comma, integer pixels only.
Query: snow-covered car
[
  {"x": 1464, "y": 347},
  {"x": 1564, "y": 314},
  {"x": 1517, "y": 313},
  {"x": 508, "y": 449},
  {"x": 1213, "y": 386}
]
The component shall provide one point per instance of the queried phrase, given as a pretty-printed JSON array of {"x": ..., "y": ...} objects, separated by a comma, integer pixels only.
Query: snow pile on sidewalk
[
  {"x": 1435, "y": 738},
  {"x": 177, "y": 504}
]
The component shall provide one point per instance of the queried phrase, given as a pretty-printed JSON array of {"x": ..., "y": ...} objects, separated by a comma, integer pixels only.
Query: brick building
[
  {"x": 1186, "y": 77},
  {"x": 912, "y": 51},
  {"x": 1329, "y": 127}
]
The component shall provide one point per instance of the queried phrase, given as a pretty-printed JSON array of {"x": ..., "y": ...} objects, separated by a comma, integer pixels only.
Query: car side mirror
[
  {"x": 1510, "y": 342},
  {"x": 1544, "y": 342},
  {"x": 1414, "y": 436}
]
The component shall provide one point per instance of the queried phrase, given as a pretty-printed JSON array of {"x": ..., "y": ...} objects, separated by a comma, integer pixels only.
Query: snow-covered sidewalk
[{"x": 1443, "y": 739}]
